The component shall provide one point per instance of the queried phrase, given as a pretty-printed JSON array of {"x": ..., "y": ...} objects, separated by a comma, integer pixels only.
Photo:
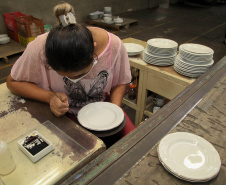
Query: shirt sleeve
[
  {"x": 122, "y": 72},
  {"x": 31, "y": 66}
]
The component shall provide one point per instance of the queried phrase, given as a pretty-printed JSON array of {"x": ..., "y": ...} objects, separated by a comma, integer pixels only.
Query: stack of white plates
[
  {"x": 189, "y": 157},
  {"x": 193, "y": 59},
  {"x": 133, "y": 49},
  {"x": 160, "y": 52}
]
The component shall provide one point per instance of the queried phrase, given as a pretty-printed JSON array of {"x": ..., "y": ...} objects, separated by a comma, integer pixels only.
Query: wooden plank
[
  {"x": 99, "y": 22},
  {"x": 10, "y": 48},
  {"x": 162, "y": 86}
]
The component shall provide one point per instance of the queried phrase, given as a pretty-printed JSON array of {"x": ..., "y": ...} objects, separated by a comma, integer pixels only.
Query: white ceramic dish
[
  {"x": 191, "y": 69},
  {"x": 3, "y": 35},
  {"x": 162, "y": 47},
  {"x": 196, "y": 62},
  {"x": 173, "y": 55},
  {"x": 118, "y": 20},
  {"x": 158, "y": 60},
  {"x": 110, "y": 22},
  {"x": 187, "y": 74},
  {"x": 93, "y": 16},
  {"x": 196, "y": 48},
  {"x": 4, "y": 40},
  {"x": 189, "y": 156},
  {"x": 195, "y": 57},
  {"x": 180, "y": 60},
  {"x": 100, "y": 116},
  {"x": 162, "y": 43},
  {"x": 107, "y": 15},
  {"x": 133, "y": 48}
]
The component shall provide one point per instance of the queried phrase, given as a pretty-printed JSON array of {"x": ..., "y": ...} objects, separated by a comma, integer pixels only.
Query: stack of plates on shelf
[
  {"x": 160, "y": 52},
  {"x": 100, "y": 116},
  {"x": 193, "y": 59},
  {"x": 189, "y": 157},
  {"x": 133, "y": 49}
]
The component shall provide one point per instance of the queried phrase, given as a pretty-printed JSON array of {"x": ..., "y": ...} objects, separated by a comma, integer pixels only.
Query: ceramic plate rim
[
  {"x": 183, "y": 47},
  {"x": 139, "y": 48},
  {"x": 117, "y": 109},
  {"x": 185, "y": 135},
  {"x": 153, "y": 40}
]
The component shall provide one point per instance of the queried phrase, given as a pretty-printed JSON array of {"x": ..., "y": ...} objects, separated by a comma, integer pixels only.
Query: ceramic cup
[
  {"x": 107, "y": 19},
  {"x": 159, "y": 100},
  {"x": 107, "y": 9},
  {"x": 155, "y": 109}
]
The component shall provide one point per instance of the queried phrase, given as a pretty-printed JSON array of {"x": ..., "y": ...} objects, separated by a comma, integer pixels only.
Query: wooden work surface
[
  {"x": 164, "y": 81},
  {"x": 10, "y": 48},
  {"x": 74, "y": 146},
  {"x": 199, "y": 109},
  {"x": 125, "y": 24}
]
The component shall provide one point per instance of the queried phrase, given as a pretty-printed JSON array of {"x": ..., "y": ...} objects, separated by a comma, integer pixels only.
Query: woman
[{"x": 81, "y": 64}]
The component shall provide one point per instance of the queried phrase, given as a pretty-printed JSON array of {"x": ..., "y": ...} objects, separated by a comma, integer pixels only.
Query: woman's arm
[
  {"x": 28, "y": 90},
  {"x": 32, "y": 91},
  {"x": 117, "y": 94}
]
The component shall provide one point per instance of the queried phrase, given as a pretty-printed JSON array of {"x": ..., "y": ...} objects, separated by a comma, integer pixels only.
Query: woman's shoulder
[{"x": 40, "y": 39}]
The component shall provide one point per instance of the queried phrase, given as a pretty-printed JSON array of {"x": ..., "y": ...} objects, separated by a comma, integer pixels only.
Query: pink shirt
[{"x": 112, "y": 69}]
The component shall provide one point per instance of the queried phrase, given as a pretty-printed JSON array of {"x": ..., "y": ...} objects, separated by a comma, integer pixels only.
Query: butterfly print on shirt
[{"x": 79, "y": 97}]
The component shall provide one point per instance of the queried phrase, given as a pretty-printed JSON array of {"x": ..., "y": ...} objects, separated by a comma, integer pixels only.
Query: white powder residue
[
  {"x": 16, "y": 123},
  {"x": 7, "y": 98}
]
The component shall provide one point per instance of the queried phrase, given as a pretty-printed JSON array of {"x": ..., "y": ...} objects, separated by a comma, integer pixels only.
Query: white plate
[
  {"x": 180, "y": 60},
  {"x": 100, "y": 116},
  {"x": 189, "y": 156},
  {"x": 187, "y": 74},
  {"x": 111, "y": 22},
  {"x": 162, "y": 43},
  {"x": 133, "y": 48},
  {"x": 196, "y": 48}
]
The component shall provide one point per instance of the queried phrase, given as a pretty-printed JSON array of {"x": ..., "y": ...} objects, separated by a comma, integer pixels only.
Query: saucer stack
[
  {"x": 189, "y": 157},
  {"x": 193, "y": 60},
  {"x": 160, "y": 52}
]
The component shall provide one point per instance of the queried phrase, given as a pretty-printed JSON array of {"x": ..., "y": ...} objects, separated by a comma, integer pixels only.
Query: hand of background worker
[{"x": 59, "y": 105}]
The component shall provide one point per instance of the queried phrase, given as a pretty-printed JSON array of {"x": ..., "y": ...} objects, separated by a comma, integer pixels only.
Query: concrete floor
[{"x": 183, "y": 23}]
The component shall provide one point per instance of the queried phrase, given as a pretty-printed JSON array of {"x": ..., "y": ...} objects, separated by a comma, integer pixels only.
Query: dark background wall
[{"x": 42, "y": 9}]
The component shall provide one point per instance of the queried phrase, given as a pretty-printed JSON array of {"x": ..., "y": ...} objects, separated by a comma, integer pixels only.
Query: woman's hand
[{"x": 59, "y": 105}]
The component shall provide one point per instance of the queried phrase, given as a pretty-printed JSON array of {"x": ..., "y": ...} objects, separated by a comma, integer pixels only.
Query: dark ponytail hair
[{"x": 69, "y": 48}]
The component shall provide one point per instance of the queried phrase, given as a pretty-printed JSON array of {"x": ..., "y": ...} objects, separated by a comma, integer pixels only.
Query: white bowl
[
  {"x": 4, "y": 40},
  {"x": 118, "y": 20},
  {"x": 107, "y": 15},
  {"x": 107, "y": 19},
  {"x": 93, "y": 16},
  {"x": 3, "y": 35},
  {"x": 107, "y": 9}
]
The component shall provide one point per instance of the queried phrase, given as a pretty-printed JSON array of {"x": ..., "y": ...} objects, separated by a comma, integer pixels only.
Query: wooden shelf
[
  {"x": 99, "y": 22},
  {"x": 10, "y": 48}
]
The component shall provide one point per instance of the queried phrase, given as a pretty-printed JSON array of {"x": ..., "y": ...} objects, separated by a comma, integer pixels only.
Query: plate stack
[
  {"x": 189, "y": 157},
  {"x": 193, "y": 59},
  {"x": 160, "y": 52},
  {"x": 101, "y": 116},
  {"x": 133, "y": 49}
]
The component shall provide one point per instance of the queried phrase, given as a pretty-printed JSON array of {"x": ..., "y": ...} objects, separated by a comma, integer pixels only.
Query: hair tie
[{"x": 68, "y": 19}]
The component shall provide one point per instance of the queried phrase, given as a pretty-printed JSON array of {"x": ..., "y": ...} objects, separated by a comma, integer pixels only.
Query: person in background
[{"x": 82, "y": 64}]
